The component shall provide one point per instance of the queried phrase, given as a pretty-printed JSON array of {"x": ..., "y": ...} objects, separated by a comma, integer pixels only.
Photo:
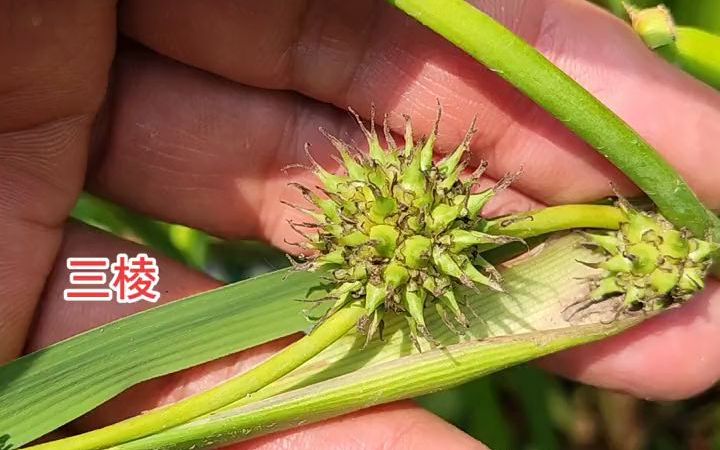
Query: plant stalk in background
[
  {"x": 519, "y": 63},
  {"x": 692, "y": 49}
]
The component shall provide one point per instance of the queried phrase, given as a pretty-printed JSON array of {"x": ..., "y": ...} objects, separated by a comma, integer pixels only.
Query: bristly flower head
[
  {"x": 649, "y": 263},
  {"x": 397, "y": 230}
]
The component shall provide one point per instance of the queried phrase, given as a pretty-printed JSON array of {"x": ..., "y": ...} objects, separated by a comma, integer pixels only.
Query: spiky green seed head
[
  {"x": 396, "y": 230},
  {"x": 648, "y": 262}
]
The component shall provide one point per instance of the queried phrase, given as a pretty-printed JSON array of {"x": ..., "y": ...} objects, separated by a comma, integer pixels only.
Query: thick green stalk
[
  {"x": 698, "y": 53},
  {"x": 560, "y": 218},
  {"x": 406, "y": 377},
  {"x": 556, "y": 218},
  {"x": 243, "y": 385},
  {"x": 519, "y": 63}
]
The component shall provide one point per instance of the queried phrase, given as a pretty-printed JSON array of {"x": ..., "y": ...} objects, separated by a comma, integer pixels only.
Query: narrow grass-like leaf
[
  {"x": 522, "y": 324},
  {"x": 46, "y": 389},
  {"x": 122, "y": 222}
]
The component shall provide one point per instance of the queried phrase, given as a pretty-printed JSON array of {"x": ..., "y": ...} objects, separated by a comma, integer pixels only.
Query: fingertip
[{"x": 673, "y": 356}]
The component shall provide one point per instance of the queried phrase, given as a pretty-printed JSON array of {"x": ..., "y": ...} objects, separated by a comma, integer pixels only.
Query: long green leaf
[
  {"x": 122, "y": 222},
  {"x": 525, "y": 323},
  {"x": 46, "y": 389}
]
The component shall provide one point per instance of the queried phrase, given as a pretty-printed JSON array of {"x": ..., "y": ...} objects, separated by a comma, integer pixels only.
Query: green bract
[
  {"x": 649, "y": 262},
  {"x": 396, "y": 230}
]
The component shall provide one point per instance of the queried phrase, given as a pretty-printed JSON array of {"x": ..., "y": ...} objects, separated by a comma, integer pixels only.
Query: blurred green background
[
  {"x": 703, "y": 14},
  {"x": 519, "y": 408}
]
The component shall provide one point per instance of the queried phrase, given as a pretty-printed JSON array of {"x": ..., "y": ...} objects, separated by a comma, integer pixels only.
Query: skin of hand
[{"x": 191, "y": 115}]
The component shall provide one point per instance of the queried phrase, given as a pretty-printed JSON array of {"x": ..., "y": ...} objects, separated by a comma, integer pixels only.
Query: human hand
[{"x": 181, "y": 144}]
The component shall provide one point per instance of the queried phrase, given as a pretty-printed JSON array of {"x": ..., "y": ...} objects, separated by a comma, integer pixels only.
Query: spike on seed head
[
  {"x": 388, "y": 135},
  {"x": 408, "y": 137},
  {"x": 479, "y": 171},
  {"x": 428, "y": 148},
  {"x": 450, "y": 163},
  {"x": 396, "y": 231}
]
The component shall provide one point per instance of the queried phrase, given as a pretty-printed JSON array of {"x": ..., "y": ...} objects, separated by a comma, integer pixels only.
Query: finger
[
  {"x": 189, "y": 147},
  {"x": 396, "y": 426},
  {"x": 355, "y": 53},
  {"x": 55, "y": 59},
  {"x": 673, "y": 356}
]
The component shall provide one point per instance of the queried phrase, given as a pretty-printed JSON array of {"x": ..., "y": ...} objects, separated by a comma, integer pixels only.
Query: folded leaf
[{"x": 524, "y": 323}]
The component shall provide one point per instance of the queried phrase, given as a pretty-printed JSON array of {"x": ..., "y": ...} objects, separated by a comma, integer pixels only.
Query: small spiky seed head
[
  {"x": 648, "y": 262},
  {"x": 397, "y": 230}
]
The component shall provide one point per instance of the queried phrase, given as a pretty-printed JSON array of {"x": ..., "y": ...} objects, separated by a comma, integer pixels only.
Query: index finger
[
  {"x": 52, "y": 82},
  {"x": 356, "y": 53}
]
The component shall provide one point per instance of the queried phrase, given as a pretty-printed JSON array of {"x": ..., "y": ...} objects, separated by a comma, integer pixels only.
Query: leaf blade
[{"x": 48, "y": 388}]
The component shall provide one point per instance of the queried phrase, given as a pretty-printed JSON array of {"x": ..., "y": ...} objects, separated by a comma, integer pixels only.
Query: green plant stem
[
  {"x": 519, "y": 63},
  {"x": 403, "y": 378},
  {"x": 256, "y": 378},
  {"x": 698, "y": 53},
  {"x": 560, "y": 218},
  {"x": 556, "y": 218},
  {"x": 692, "y": 49}
]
